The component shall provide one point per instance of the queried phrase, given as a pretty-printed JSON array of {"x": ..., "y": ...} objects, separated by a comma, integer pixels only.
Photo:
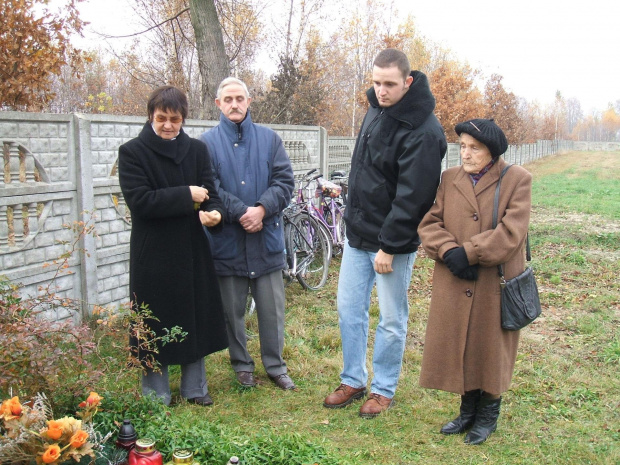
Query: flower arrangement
[{"x": 28, "y": 432}]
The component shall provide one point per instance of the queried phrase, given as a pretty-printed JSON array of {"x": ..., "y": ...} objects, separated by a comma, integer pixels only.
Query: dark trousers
[{"x": 268, "y": 293}]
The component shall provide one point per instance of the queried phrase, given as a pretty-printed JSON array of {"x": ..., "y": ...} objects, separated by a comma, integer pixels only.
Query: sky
[{"x": 538, "y": 46}]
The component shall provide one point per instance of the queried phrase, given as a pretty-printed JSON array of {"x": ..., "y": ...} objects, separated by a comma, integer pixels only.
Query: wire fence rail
[{"x": 340, "y": 150}]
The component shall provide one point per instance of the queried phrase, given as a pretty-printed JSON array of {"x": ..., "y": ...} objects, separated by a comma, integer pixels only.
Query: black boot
[
  {"x": 468, "y": 414},
  {"x": 486, "y": 420}
]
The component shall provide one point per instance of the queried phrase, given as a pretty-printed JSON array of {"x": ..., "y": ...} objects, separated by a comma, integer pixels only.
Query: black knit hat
[{"x": 487, "y": 132}]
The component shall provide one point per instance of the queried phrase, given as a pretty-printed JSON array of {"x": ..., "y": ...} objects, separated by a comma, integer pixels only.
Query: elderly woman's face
[
  {"x": 167, "y": 124},
  {"x": 474, "y": 154}
]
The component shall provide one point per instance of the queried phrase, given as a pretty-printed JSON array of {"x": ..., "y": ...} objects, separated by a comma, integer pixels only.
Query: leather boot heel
[
  {"x": 467, "y": 415},
  {"x": 486, "y": 421}
]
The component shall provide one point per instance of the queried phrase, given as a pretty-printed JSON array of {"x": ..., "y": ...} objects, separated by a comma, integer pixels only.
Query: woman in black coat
[{"x": 167, "y": 182}]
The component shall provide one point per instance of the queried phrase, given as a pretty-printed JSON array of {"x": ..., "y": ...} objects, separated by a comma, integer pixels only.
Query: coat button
[
  {"x": 469, "y": 293},
  {"x": 236, "y": 145},
  {"x": 475, "y": 216},
  {"x": 243, "y": 183}
]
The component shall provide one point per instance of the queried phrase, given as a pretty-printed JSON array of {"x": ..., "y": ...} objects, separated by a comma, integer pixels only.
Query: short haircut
[
  {"x": 231, "y": 80},
  {"x": 167, "y": 98},
  {"x": 392, "y": 57}
]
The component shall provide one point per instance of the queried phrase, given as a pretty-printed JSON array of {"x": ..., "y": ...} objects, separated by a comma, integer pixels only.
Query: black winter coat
[
  {"x": 171, "y": 267},
  {"x": 395, "y": 171}
]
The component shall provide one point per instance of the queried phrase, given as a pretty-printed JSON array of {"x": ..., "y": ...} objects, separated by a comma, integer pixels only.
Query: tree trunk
[{"x": 212, "y": 59}]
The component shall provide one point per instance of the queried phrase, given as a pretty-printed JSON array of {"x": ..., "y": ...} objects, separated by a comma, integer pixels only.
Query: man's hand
[
  {"x": 252, "y": 219},
  {"x": 210, "y": 219},
  {"x": 383, "y": 262}
]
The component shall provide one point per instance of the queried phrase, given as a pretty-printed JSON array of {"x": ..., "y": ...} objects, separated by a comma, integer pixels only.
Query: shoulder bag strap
[
  {"x": 500, "y": 269},
  {"x": 496, "y": 200}
]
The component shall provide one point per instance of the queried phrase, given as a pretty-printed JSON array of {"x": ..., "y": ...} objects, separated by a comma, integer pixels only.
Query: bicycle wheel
[
  {"x": 288, "y": 274},
  {"x": 327, "y": 234},
  {"x": 311, "y": 252}
]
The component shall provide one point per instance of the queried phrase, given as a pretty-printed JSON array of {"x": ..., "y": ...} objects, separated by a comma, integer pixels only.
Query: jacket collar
[
  {"x": 175, "y": 149},
  {"x": 463, "y": 183},
  {"x": 234, "y": 131},
  {"x": 415, "y": 106}
]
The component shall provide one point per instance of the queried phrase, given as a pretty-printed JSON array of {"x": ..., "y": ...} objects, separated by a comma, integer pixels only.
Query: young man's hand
[{"x": 383, "y": 262}]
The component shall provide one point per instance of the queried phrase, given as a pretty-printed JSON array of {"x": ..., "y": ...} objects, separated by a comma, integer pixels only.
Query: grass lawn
[{"x": 564, "y": 403}]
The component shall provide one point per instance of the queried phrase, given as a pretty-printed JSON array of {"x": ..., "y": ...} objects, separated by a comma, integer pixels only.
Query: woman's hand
[
  {"x": 199, "y": 194},
  {"x": 210, "y": 219},
  {"x": 458, "y": 264}
]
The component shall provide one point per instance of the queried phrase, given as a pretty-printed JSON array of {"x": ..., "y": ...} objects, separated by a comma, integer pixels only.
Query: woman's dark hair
[{"x": 167, "y": 98}]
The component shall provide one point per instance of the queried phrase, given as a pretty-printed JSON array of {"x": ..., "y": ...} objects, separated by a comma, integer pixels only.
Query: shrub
[{"x": 42, "y": 356}]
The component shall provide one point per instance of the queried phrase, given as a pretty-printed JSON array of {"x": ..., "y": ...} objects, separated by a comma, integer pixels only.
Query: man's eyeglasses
[{"x": 173, "y": 119}]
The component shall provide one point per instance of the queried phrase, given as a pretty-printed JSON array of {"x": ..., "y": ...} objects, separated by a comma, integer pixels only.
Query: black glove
[
  {"x": 456, "y": 260},
  {"x": 470, "y": 273}
]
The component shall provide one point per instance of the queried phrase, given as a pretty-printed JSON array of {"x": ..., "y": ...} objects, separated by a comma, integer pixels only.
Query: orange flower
[
  {"x": 51, "y": 454},
  {"x": 54, "y": 430},
  {"x": 11, "y": 408},
  {"x": 93, "y": 400},
  {"x": 78, "y": 439}
]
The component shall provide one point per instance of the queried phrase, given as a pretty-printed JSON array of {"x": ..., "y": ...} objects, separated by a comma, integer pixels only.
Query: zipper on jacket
[
  {"x": 367, "y": 133},
  {"x": 362, "y": 158}
]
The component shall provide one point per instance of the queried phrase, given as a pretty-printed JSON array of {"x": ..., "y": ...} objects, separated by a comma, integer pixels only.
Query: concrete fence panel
[{"x": 59, "y": 171}]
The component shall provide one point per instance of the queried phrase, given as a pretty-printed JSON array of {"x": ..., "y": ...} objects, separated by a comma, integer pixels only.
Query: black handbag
[{"x": 520, "y": 303}]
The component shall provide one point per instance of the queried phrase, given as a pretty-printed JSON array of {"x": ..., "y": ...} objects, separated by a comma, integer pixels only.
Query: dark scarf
[
  {"x": 476, "y": 177},
  {"x": 175, "y": 149}
]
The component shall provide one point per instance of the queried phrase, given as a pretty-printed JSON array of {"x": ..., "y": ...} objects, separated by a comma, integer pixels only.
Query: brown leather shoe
[
  {"x": 375, "y": 405},
  {"x": 246, "y": 378},
  {"x": 283, "y": 381},
  {"x": 343, "y": 396}
]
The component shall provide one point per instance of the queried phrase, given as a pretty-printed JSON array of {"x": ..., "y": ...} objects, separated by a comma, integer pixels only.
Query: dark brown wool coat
[
  {"x": 171, "y": 268},
  {"x": 465, "y": 346}
]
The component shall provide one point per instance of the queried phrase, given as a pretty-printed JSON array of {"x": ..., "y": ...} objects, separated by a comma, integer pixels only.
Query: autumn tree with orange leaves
[
  {"x": 456, "y": 95},
  {"x": 34, "y": 45},
  {"x": 502, "y": 106}
]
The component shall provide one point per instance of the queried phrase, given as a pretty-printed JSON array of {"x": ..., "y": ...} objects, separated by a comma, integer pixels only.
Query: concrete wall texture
[{"x": 59, "y": 171}]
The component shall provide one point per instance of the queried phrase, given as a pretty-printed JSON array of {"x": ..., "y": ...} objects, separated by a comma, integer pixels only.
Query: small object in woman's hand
[{"x": 197, "y": 204}]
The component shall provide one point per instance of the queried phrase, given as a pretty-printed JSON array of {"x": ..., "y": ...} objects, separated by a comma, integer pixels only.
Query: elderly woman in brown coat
[{"x": 466, "y": 351}]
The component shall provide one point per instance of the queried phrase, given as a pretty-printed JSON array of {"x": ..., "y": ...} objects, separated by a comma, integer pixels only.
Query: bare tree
[{"x": 212, "y": 59}]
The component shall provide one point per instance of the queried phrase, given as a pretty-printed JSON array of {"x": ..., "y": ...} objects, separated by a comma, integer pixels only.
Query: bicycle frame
[
  {"x": 331, "y": 209},
  {"x": 304, "y": 203}
]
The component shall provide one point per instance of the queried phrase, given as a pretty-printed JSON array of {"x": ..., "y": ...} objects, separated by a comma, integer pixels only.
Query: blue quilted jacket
[{"x": 251, "y": 168}]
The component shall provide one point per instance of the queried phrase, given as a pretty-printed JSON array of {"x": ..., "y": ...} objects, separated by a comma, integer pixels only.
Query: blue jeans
[{"x": 357, "y": 277}]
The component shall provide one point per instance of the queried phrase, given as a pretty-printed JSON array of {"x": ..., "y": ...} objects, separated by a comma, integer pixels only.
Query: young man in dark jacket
[
  {"x": 254, "y": 179},
  {"x": 394, "y": 176}
]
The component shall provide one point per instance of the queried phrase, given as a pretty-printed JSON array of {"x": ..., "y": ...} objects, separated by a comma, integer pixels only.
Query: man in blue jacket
[
  {"x": 394, "y": 176},
  {"x": 254, "y": 179}
]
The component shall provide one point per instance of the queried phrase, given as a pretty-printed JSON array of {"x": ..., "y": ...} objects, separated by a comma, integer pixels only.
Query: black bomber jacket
[{"x": 395, "y": 171}]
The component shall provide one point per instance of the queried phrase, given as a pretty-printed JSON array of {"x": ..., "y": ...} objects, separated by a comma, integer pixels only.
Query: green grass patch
[
  {"x": 563, "y": 404},
  {"x": 580, "y": 182}
]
